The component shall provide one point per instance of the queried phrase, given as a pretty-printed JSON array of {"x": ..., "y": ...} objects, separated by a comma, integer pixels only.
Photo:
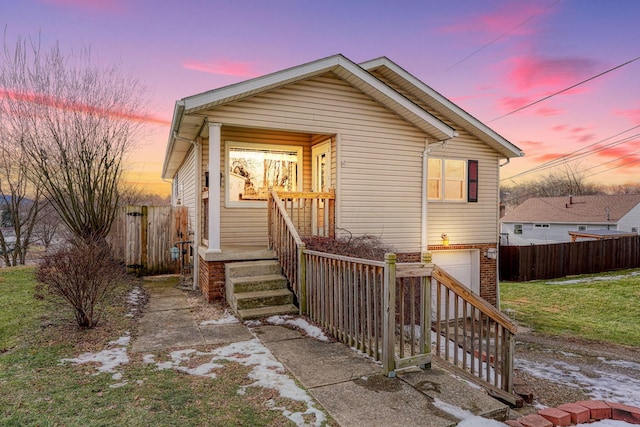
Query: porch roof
[
  {"x": 434, "y": 100},
  {"x": 188, "y": 120}
]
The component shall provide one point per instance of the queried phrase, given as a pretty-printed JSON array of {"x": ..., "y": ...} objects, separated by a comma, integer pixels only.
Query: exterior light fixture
[
  {"x": 445, "y": 239},
  {"x": 175, "y": 253}
]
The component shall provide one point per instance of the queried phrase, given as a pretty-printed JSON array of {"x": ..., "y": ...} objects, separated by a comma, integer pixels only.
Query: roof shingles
[{"x": 573, "y": 209}]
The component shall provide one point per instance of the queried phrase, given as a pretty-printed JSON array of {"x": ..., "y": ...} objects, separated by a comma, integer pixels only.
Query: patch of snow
[
  {"x": 298, "y": 322},
  {"x": 593, "y": 279},
  {"x": 267, "y": 372},
  {"x": 621, "y": 363},
  {"x": 609, "y": 423},
  {"x": 253, "y": 323},
  {"x": 133, "y": 299},
  {"x": 459, "y": 413},
  {"x": 108, "y": 359},
  {"x": 226, "y": 319},
  {"x": 477, "y": 421},
  {"x": 607, "y": 386}
]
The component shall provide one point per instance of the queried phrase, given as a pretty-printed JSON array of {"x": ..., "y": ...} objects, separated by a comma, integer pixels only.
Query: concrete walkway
[{"x": 351, "y": 388}]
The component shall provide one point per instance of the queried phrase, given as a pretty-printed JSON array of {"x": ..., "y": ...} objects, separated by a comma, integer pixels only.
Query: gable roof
[
  {"x": 398, "y": 76},
  {"x": 574, "y": 210},
  {"x": 184, "y": 128}
]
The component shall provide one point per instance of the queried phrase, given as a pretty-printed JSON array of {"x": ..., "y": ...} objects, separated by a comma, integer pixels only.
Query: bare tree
[
  {"x": 19, "y": 200},
  {"x": 77, "y": 122}
]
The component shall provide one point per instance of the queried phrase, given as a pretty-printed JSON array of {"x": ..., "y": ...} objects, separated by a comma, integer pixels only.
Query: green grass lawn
[
  {"x": 601, "y": 310},
  {"x": 37, "y": 390}
]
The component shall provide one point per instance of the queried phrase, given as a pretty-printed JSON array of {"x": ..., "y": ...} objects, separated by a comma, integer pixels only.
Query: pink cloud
[
  {"x": 110, "y": 5},
  {"x": 632, "y": 115},
  {"x": 498, "y": 21},
  {"x": 559, "y": 128},
  {"x": 225, "y": 67},
  {"x": 62, "y": 104},
  {"x": 548, "y": 111},
  {"x": 549, "y": 74},
  {"x": 514, "y": 102}
]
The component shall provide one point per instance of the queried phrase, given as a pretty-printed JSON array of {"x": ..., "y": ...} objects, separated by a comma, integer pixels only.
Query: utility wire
[
  {"x": 572, "y": 154},
  {"x": 499, "y": 37},
  {"x": 564, "y": 90}
]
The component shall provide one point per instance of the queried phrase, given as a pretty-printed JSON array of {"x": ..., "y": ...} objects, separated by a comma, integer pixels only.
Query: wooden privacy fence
[
  {"x": 394, "y": 312},
  {"x": 535, "y": 262},
  {"x": 142, "y": 236}
]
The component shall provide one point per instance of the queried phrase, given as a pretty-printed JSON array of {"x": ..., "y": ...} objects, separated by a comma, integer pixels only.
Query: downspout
[
  {"x": 196, "y": 227},
  {"x": 424, "y": 227}
]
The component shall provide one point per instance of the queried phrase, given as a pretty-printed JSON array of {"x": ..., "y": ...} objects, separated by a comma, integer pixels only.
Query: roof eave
[
  {"x": 178, "y": 113},
  {"x": 508, "y": 149}
]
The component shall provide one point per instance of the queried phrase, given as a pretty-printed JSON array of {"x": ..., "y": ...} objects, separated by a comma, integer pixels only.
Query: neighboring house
[
  {"x": 406, "y": 164},
  {"x": 543, "y": 220}
]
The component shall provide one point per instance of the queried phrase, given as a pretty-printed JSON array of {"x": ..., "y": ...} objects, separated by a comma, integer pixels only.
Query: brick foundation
[{"x": 211, "y": 280}]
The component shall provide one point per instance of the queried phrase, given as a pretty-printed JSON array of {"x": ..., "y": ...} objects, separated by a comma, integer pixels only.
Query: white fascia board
[
  {"x": 178, "y": 111},
  {"x": 386, "y": 62}
]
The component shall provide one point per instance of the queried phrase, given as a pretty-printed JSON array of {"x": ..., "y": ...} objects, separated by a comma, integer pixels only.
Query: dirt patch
[{"x": 562, "y": 369}]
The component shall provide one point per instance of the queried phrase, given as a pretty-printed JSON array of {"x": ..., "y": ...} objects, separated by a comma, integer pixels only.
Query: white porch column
[{"x": 214, "y": 188}]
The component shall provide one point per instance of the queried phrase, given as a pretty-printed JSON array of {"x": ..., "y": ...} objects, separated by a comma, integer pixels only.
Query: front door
[{"x": 320, "y": 181}]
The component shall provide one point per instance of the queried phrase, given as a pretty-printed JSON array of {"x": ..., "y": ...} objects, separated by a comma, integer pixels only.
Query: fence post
[
  {"x": 389, "y": 315},
  {"x": 302, "y": 278},
  {"x": 425, "y": 309}
]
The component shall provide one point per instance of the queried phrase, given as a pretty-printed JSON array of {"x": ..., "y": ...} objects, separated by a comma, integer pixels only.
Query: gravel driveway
[{"x": 561, "y": 370}]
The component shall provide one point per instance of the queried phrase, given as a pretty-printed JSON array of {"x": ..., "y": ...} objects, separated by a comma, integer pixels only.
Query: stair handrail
[{"x": 285, "y": 241}]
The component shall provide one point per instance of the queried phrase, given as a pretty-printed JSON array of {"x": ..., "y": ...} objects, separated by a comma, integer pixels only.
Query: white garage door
[{"x": 464, "y": 265}]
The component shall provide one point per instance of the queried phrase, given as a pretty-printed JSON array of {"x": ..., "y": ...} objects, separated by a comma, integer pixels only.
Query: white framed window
[
  {"x": 251, "y": 169},
  {"x": 582, "y": 228},
  {"x": 517, "y": 228},
  {"x": 539, "y": 226},
  {"x": 634, "y": 229},
  {"x": 452, "y": 180}
]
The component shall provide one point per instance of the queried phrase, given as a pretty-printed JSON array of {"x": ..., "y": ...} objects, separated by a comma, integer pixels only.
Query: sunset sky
[{"x": 490, "y": 57}]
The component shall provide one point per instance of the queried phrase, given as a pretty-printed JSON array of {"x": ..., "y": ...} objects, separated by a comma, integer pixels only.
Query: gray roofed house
[{"x": 543, "y": 220}]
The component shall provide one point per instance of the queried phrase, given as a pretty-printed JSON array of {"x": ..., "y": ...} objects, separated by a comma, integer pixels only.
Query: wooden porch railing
[
  {"x": 395, "y": 312},
  {"x": 472, "y": 335},
  {"x": 312, "y": 214}
]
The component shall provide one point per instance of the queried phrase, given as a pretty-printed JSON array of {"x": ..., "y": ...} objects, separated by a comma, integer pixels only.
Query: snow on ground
[
  {"x": 267, "y": 372},
  {"x": 593, "y": 279},
  {"x": 226, "y": 318},
  {"x": 133, "y": 299},
  {"x": 610, "y": 386},
  {"x": 300, "y": 323},
  {"x": 108, "y": 360}
]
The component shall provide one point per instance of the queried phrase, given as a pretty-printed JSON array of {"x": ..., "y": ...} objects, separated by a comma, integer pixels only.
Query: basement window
[{"x": 251, "y": 169}]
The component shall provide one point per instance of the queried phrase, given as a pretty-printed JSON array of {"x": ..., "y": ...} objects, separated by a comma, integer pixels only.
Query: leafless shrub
[
  {"x": 82, "y": 273},
  {"x": 365, "y": 246}
]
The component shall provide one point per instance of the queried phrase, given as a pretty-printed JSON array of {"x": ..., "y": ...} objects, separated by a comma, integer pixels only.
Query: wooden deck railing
[
  {"x": 312, "y": 214},
  {"x": 288, "y": 246},
  {"x": 472, "y": 335},
  {"x": 398, "y": 314}
]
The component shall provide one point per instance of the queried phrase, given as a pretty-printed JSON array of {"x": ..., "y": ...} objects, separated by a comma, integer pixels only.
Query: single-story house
[
  {"x": 405, "y": 164},
  {"x": 544, "y": 220}
]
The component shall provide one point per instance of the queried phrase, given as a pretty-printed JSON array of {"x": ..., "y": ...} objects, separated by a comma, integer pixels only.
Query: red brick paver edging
[{"x": 584, "y": 411}]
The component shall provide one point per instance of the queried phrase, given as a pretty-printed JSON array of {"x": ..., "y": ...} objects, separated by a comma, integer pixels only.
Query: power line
[
  {"x": 499, "y": 37},
  {"x": 574, "y": 154},
  {"x": 564, "y": 90}
]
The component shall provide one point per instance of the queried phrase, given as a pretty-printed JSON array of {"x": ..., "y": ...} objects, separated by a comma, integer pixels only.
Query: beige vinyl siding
[
  {"x": 463, "y": 222},
  {"x": 378, "y": 157},
  {"x": 187, "y": 187},
  {"x": 468, "y": 222},
  {"x": 247, "y": 226}
]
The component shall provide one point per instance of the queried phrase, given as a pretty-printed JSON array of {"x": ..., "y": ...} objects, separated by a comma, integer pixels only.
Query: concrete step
[
  {"x": 272, "y": 297},
  {"x": 257, "y": 283},
  {"x": 257, "y": 313},
  {"x": 252, "y": 268}
]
